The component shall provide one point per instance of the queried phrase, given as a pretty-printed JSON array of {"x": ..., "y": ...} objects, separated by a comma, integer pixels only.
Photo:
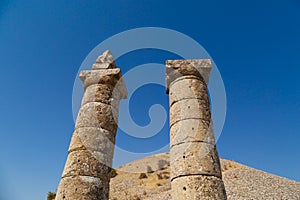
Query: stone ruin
[
  {"x": 87, "y": 170},
  {"x": 195, "y": 165}
]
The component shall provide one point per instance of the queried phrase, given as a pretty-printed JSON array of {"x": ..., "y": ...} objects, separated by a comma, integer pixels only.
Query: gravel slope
[{"x": 148, "y": 179}]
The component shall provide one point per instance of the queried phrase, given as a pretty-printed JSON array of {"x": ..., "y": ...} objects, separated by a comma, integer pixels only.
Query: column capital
[
  {"x": 104, "y": 71},
  {"x": 175, "y": 69}
]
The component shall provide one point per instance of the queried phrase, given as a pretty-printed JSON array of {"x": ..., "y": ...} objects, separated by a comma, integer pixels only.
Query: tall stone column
[
  {"x": 195, "y": 165},
  {"x": 87, "y": 170}
]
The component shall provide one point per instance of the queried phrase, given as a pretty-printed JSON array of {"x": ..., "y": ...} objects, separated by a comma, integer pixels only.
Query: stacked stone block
[
  {"x": 195, "y": 165},
  {"x": 87, "y": 170}
]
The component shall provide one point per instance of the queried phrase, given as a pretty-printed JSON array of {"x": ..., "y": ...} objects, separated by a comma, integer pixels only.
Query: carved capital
[
  {"x": 179, "y": 68},
  {"x": 104, "y": 72}
]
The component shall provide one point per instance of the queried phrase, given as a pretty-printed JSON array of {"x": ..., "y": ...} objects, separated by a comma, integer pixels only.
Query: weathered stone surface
[
  {"x": 96, "y": 114},
  {"x": 87, "y": 170},
  {"x": 198, "y": 187},
  {"x": 94, "y": 139},
  {"x": 105, "y": 61},
  {"x": 88, "y": 163},
  {"x": 187, "y": 87},
  {"x": 191, "y": 130},
  {"x": 82, "y": 188},
  {"x": 190, "y": 109},
  {"x": 109, "y": 76},
  {"x": 195, "y": 165},
  {"x": 103, "y": 93},
  {"x": 194, "y": 158},
  {"x": 177, "y": 68}
]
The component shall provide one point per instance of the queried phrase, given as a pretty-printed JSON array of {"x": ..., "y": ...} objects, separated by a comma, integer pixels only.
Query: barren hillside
[{"x": 241, "y": 182}]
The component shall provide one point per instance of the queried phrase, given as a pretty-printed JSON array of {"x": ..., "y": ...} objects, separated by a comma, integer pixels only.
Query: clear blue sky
[{"x": 255, "y": 44}]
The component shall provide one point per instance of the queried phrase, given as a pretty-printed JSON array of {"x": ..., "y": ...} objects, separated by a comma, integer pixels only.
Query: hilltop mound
[{"x": 151, "y": 181}]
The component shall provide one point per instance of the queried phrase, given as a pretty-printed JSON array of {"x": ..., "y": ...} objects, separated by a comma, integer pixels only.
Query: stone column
[
  {"x": 195, "y": 165},
  {"x": 87, "y": 170}
]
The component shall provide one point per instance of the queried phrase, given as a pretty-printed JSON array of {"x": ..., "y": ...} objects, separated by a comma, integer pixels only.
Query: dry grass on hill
[{"x": 151, "y": 181}]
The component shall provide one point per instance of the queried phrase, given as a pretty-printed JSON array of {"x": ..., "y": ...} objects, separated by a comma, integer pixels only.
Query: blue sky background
[{"x": 255, "y": 45}]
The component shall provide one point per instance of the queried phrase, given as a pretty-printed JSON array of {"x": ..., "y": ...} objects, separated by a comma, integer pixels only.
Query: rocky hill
[{"x": 150, "y": 181}]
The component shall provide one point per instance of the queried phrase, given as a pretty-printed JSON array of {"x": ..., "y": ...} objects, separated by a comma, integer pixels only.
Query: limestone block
[
  {"x": 82, "y": 188},
  {"x": 198, "y": 187},
  {"x": 194, "y": 158},
  {"x": 105, "y": 61},
  {"x": 187, "y": 87},
  {"x": 108, "y": 76},
  {"x": 88, "y": 163},
  {"x": 178, "y": 68},
  {"x": 103, "y": 93},
  {"x": 191, "y": 130},
  {"x": 96, "y": 114},
  {"x": 94, "y": 139},
  {"x": 190, "y": 109}
]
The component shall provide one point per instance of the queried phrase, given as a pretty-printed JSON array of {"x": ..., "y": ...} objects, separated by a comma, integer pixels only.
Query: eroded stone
[
  {"x": 94, "y": 139},
  {"x": 190, "y": 109},
  {"x": 109, "y": 76},
  {"x": 178, "y": 68},
  {"x": 88, "y": 166},
  {"x": 103, "y": 93},
  {"x": 88, "y": 163},
  {"x": 195, "y": 165},
  {"x": 82, "y": 188},
  {"x": 105, "y": 61},
  {"x": 194, "y": 158},
  {"x": 96, "y": 114},
  {"x": 191, "y": 130},
  {"x": 198, "y": 187},
  {"x": 187, "y": 88}
]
